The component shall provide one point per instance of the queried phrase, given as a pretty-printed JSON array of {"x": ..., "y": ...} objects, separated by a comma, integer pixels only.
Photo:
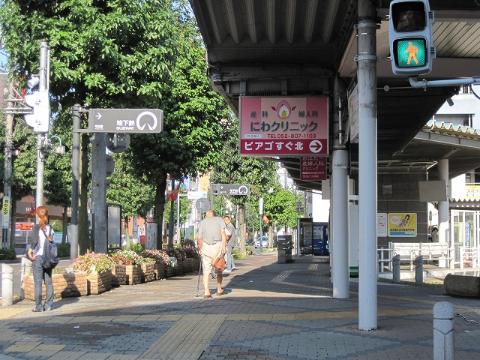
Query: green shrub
[
  {"x": 238, "y": 254},
  {"x": 63, "y": 250},
  {"x": 137, "y": 247},
  {"x": 249, "y": 250},
  {"x": 7, "y": 254}
]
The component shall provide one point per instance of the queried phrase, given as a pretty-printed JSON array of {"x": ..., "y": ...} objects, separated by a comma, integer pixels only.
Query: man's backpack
[{"x": 50, "y": 255}]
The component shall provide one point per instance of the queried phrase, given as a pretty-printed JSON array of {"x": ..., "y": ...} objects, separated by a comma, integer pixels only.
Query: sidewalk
[{"x": 272, "y": 311}]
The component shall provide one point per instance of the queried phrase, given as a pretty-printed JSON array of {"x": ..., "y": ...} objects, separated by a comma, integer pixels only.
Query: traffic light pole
[
  {"x": 367, "y": 113},
  {"x": 41, "y": 137},
  {"x": 424, "y": 84}
]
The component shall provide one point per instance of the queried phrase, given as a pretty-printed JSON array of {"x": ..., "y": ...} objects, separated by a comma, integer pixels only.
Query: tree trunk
[
  {"x": 243, "y": 228},
  {"x": 160, "y": 207},
  {"x": 64, "y": 225},
  {"x": 83, "y": 233},
  {"x": 270, "y": 237}
]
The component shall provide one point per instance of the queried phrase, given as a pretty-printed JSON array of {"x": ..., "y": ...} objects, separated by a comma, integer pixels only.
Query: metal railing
[{"x": 408, "y": 252}]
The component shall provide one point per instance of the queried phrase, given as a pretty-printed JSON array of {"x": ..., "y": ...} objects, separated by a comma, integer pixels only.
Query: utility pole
[
  {"x": 260, "y": 211},
  {"x": 171, "y": 220},
  {"x": 44, "y": 76},
  {"x": 178, "y": 218},
  {"x": 7, "y": 177}
]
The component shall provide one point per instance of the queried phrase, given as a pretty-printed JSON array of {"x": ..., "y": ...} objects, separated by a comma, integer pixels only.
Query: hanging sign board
[
  {"x": 313, "y": 168},
  {"x": 402, "y": 224},
  {"x": 284, "y": 126}
]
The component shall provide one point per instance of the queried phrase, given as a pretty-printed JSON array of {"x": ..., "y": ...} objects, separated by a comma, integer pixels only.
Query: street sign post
[
  {"x": 128, "y": 121},
  {"x": 230, "y": 189}
]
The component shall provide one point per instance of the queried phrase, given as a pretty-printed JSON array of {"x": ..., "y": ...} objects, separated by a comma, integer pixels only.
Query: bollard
[
  {"x": 419, "y": 270},
  {"x": 396, "y": 268},
  {"x": 7, "y": 284},
  {"x": 443, "y": 341},
  {"x": 26, "y": 270}
]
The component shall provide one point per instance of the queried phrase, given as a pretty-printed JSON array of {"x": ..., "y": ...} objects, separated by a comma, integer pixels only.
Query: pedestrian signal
[{"x": 410, "y": 32}]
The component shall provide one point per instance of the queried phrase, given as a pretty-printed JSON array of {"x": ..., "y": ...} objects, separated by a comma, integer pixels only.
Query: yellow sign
[
  {"x": 402, "y": 224},
  {"x": 472, "y": 191},
  {"x": 6, "y": 206}
]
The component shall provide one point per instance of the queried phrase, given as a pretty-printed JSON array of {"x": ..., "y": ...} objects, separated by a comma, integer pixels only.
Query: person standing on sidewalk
[
  {"x": 42, "y": 232},
  {"x": 231, "y": 233},
  {"x": 212, "y": 243}
]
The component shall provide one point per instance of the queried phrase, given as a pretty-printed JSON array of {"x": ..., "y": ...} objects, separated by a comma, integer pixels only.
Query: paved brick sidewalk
[{"x": 272, "y": 311}]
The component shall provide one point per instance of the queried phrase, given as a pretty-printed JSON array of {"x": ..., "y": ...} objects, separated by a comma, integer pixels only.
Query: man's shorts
[{"x": 209, "y": 254}]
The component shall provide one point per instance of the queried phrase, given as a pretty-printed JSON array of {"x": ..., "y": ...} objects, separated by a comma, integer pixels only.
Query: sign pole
[
  {"x": 99, "y": 201},
  {"x": 260, "y": 211},
  {"x": 75, "y": 181}
]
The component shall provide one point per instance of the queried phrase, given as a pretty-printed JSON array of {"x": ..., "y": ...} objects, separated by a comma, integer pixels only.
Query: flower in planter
[
  {"x": 93, "y": 263},
  {"x": 125, "y": 257},
  {"x": 129, "y": 257}
]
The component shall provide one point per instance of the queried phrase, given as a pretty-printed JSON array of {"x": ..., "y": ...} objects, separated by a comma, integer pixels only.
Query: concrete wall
[{"x": 399, "y": 193}]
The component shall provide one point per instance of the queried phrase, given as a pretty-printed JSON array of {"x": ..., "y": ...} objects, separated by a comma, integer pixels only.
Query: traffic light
[
  {"x": 39, "y": 120},
  {"x": 410, "y": 32}
]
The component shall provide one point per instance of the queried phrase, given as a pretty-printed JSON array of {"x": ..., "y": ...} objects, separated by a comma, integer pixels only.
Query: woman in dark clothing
[{"x": 36, "y": 253}]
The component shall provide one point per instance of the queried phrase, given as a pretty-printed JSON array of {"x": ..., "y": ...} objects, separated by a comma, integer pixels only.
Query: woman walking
[{"x": 42, "y": 234}]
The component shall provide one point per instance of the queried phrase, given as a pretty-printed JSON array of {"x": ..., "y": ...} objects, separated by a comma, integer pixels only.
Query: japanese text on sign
[
  {"x": 284, "y": 126},
  {"x": 313, "y": 169}
]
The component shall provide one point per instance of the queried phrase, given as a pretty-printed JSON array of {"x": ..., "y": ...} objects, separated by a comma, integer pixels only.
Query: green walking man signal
[{"x": 410, "y": 32}]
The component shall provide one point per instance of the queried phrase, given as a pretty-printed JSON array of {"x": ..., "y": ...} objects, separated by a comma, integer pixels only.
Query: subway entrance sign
[{"x": 411, "y": 53}]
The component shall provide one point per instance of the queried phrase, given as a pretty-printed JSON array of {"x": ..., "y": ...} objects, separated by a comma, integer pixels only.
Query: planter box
[
  {"x": 148, "y": 272},
  {"x": 180, "y": 269},
  {"x": 99, "y": 283},
  {"x": 188, "y": 265},
  {"x": 64, "y": 285},
  {"x": 134, "y": 274},
  {"x": 170, "y": 272},
  {"x": 119, "y": 275},
  {"x": 160, "y": 271}
]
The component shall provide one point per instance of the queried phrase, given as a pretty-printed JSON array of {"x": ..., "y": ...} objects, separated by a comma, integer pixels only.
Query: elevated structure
[{"x": 309, "y": 47}]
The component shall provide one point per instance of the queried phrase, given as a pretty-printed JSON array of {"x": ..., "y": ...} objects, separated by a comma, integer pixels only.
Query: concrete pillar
[
  {"x": 443, "y": 332},
  {"x": 444, "y": 210},
  {"x": 340, "y": 224},
  {"x": 7, "y": 284},
  {"x": 367, "y": 112}
]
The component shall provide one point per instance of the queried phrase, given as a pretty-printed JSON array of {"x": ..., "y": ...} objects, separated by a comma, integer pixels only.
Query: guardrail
[{"x": 410, "y": 251}]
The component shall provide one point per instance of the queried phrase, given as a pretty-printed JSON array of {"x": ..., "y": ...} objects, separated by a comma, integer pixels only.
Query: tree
[
  {"x": 281, "y": 207},
  {"x": 132, "y": 193},
  {"x": 193, "y": 133},
  {"x": 103, "y": 54},
  {"x": 260, "y": 174}
]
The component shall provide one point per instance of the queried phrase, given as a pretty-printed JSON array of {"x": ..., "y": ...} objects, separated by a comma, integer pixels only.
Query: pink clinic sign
[{"x": 273, "y": 126}]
